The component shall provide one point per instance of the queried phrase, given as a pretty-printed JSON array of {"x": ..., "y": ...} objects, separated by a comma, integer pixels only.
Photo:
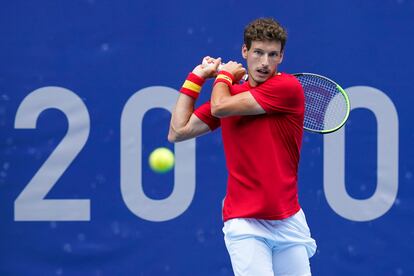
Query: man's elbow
[
  {"x": 176, "y": 136},
  {"x": 217, "y": 110},
  {"x": 172, "y": 138}
]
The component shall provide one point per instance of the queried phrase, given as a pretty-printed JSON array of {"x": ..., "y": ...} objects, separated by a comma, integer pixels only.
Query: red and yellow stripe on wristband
[
  {"x": 192, "y": 85},
  {"x": 224, "y": 76}
]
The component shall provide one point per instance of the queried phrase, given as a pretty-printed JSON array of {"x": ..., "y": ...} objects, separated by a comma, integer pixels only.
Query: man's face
[{"x": 262, "y": 58}]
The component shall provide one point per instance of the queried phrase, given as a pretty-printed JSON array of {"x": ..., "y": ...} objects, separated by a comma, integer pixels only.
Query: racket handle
[{"x": 205, "y": 63}]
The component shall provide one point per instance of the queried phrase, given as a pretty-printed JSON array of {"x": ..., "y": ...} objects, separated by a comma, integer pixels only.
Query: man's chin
[{"x": 261, "y": 79}]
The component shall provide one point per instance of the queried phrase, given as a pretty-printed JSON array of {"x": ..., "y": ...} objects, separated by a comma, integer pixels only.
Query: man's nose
[{"x": 265, "y": 60}]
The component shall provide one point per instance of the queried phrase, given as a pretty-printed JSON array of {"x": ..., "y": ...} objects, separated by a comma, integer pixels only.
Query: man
[{"x": 262, "y": 127}]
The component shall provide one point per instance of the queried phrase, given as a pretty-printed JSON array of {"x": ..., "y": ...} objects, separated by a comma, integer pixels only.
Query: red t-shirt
[{"x": 262, "y": 151}]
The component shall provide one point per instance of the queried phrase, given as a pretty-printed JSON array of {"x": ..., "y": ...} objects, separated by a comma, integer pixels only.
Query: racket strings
[{"x": 325, "y": 107}]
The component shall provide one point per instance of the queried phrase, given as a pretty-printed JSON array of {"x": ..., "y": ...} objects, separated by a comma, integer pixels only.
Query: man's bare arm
[
  {"x": 223, "y": 104},
  {"x": 184, "y": 123}
]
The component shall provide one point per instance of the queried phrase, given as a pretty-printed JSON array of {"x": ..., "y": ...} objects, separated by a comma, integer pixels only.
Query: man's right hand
[{"x": 236, "y": 69}]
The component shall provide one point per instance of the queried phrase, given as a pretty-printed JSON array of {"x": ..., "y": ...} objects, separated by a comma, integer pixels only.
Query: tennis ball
[{"x": 161, "y": 160}]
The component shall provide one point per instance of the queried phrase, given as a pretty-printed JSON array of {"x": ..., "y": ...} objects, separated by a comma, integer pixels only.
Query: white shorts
[{"x": 269, "y": 247}]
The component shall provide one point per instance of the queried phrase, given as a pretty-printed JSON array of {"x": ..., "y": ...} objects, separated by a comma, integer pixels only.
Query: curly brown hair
[{"x": 264, "y": 29}]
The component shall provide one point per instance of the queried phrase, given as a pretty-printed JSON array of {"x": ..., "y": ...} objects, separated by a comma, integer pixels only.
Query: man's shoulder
[
  {"x": 282, "y": 76},
  {"x": 285, "y": 80}
]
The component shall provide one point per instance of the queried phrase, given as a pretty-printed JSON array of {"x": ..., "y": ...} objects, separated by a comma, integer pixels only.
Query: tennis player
[{"x": 265, "y": 229}]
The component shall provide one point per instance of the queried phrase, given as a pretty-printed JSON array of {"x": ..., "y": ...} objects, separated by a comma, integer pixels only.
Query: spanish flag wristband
[
  {"x": 224, "y": 76},
  {"x": 192, "y": 86}
]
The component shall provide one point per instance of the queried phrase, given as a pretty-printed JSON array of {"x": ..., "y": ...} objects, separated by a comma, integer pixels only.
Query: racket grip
[
  {"x": 205, "y": 63},
  {"x": 220, "y": 67}
]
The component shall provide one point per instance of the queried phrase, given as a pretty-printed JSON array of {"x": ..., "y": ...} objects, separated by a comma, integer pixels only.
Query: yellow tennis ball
[{"x": 161, "y": 160}]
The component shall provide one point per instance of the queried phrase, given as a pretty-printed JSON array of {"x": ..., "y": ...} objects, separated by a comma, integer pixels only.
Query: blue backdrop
[{"x": 85, "y": 93}]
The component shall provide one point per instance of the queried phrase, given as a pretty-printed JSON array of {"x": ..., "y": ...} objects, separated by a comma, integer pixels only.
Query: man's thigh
[
  {"x": 250, "y": 256},
  {"x": 291, "y": 261}
]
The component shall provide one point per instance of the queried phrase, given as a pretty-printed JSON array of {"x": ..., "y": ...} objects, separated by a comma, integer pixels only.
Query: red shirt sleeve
[
  {"x": 281, "y": 93},
  {"x": 203, "y": 112}
]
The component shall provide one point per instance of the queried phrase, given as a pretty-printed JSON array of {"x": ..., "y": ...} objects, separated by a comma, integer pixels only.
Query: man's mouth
[{"x": 263, "y": 71}]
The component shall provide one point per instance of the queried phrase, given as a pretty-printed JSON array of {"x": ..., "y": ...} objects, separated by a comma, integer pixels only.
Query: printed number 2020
[{"x": 31, "y": 204}]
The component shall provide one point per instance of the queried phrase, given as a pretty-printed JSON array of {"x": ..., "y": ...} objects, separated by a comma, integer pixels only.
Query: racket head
[{"x": 327, "y": 105}]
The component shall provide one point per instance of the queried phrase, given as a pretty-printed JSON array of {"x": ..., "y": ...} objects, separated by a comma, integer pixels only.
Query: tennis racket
[{"x": 327, "y": 105}]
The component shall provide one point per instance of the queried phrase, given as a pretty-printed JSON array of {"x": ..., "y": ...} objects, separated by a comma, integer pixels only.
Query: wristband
[
  {"x": 192, "y": 86},
  {"x": 224, "y": 76}
]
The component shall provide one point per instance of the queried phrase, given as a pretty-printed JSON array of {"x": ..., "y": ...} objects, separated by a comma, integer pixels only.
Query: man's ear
[
  {"x": 281, "y": 57},
  {"x": 244, "y": 51}
]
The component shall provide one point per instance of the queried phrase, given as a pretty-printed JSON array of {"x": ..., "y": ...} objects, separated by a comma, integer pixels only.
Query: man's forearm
[
  {"x": 219, "y": 94},
  {"x": 181, "y": 114},
  {"x": 224, "y": 104},
  {"x": 184, "y": 124},
  {"x": 184, "y": 107}
]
